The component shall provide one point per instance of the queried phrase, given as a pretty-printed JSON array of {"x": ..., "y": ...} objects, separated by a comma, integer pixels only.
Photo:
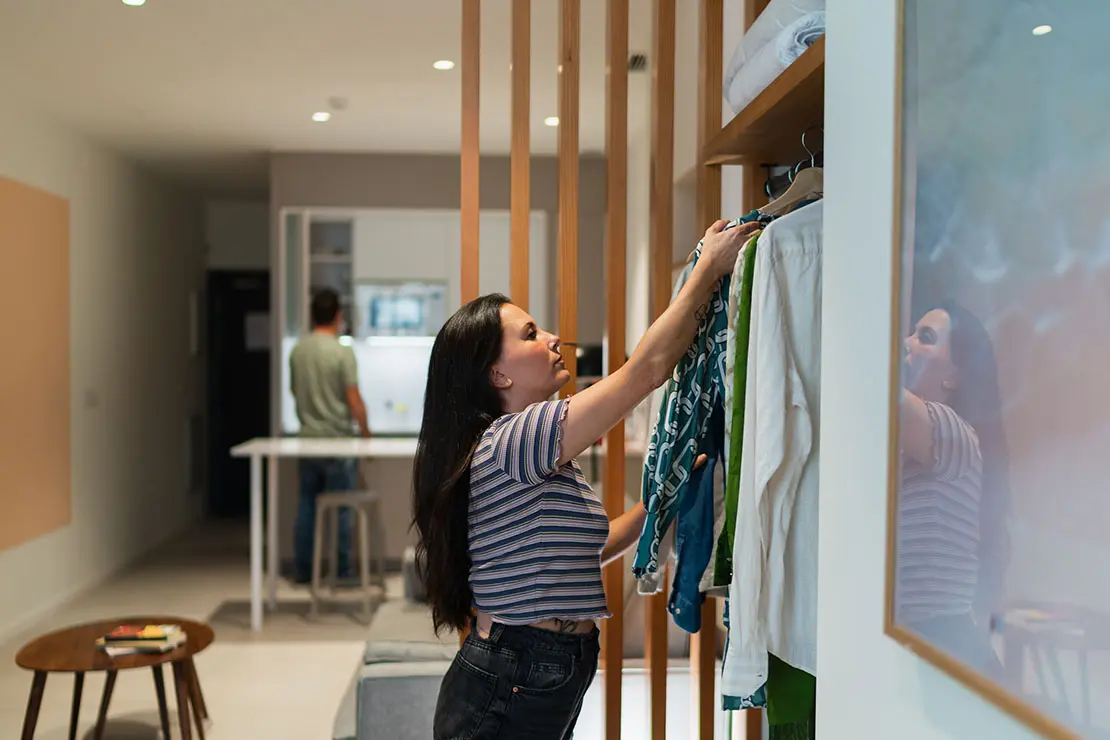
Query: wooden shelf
[{"x": 769, "y": 130}]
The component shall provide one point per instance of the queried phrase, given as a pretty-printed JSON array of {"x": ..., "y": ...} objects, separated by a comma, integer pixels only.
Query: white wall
[
  {"x": 638, "y": 245},
  {"x": 858, "y": 666},
  {"x": 135, "y": 253},
  {"x": 237, "y": 234},
  {"x": 385, "y": 249}
]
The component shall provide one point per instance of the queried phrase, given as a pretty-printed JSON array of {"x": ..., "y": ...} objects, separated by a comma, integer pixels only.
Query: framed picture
[
  {"x": 399, "y": 308},
  {"x": 998, "y": 560}
]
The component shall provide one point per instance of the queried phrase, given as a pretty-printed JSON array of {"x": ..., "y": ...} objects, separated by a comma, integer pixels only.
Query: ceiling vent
[{"x": 637, "y": 63}]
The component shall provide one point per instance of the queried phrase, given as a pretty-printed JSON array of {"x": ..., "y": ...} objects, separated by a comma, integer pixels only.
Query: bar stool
[{"x": 371, "y": 542}]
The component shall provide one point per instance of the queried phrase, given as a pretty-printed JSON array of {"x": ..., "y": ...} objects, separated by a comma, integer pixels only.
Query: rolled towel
[
  {"x": 769, "y": 62},
  {"x": 771, "y": 22}
]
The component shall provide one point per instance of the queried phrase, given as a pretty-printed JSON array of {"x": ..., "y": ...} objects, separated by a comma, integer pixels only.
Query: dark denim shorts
[{"x": 521, "y": 682}]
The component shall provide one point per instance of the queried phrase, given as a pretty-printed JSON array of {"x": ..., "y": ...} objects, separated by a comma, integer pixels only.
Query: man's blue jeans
[{"x": 319, "y": 476}]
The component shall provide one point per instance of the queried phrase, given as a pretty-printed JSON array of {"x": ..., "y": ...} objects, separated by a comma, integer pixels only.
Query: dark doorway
[{"x": 239, "y": 339}]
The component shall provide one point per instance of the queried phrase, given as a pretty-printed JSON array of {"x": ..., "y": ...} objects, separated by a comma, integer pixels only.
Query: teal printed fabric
[{"x": 684, "y": 413}]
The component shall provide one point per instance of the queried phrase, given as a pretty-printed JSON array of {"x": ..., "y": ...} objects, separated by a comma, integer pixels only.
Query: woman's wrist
[{"x": 699, "y": 286}]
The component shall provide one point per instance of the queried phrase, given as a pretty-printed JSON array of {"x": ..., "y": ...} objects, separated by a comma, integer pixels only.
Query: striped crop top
[
  {"x": 938, "y": 523},
  {"x": 536, "y": 531}
]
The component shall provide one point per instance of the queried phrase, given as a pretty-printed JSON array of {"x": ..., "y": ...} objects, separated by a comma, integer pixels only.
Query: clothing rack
[{"x": 767, "y": 132}]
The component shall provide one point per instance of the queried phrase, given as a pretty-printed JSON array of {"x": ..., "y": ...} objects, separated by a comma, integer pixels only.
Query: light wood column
[
  {"x": 569, "y": 41},
  {"x": 520, "y": 182},
  {"x": 616, "y": 229},
  {"x": 469, "y": 198},
  {"x": 661, "y": 238},
  {"x": 703, "y": 645},
  {"x": 469, "y": 201},
  {"x": 754, "y": 175}
]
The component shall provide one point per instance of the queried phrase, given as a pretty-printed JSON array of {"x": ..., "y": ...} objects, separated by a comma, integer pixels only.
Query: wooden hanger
[
  {"x": 809, "y": 184},
  {"x": 805, "y": 185}
]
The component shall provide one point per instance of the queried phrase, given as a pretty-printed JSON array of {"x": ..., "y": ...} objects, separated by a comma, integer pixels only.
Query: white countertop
[
  {"x": 320, "y": 447},
  {"x": 380, "y": 447}
]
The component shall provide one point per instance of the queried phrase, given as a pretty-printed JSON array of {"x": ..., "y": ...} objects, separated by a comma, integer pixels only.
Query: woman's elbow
[{"x": 650, "y": 374}]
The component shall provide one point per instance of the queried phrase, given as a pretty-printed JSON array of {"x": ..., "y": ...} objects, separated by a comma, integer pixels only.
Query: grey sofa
[{"x": 393, "y": 694}]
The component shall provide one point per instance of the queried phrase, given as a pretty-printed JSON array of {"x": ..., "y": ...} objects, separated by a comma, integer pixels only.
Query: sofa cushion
[
  {"x": 396, "y": 651},
  {"x": 397, "y": 701}
]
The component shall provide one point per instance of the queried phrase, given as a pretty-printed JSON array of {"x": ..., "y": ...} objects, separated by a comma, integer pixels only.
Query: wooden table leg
[
  {"x": 181, "y": 684},
  {"x": 189, "y": 677},
  {"x": 34, "y": 702},
  {"x": 105, "y": 699},
  {"x": 160, "y": 690},
  {"x": 75, "y": 711},
  {"x": 196, "y": 695}
]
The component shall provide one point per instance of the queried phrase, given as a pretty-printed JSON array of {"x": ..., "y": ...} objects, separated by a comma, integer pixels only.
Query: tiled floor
[{"x": 281, "y": 684}]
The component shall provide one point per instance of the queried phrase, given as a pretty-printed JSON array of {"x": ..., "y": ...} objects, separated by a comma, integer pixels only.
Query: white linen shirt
[{"x": 773, "y": 594}]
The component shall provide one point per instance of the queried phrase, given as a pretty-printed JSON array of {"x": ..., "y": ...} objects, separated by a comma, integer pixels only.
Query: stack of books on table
[{"x": 129, "y": 639}]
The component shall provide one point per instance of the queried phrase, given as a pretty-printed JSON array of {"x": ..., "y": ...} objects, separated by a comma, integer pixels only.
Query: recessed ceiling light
[
  {"x": 134, "y": 3},
  {"x": 444, "y": 64},
  {"x": 1042, "y": 30},
  {"x": 321, "y": 116},
  {"x": 551, "y": 121}
]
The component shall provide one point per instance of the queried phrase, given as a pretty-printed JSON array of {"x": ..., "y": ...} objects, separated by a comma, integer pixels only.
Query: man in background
[{"x": 324, "y": 379}]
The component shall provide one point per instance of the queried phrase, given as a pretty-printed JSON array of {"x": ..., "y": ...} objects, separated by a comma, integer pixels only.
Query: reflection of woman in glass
[{"x": 952, "y": 540}]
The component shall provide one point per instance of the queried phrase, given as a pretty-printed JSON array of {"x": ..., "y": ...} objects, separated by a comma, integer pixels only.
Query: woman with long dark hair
[
  {"x": 511, "y": 537},
  {"x": 952, "y": 537}
]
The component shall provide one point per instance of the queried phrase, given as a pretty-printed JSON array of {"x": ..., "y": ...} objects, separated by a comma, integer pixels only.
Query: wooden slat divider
[
  {"x": 569, "y": 41},
  {"x": 520, "y": 190},
  {"x": 753, "y": 197},
  {"x": 661, "y": 227},
  {"x": 469, "y": 202},
  {"x": 703, "y": 645},
  {"x": 616, "y": 214},
  {"x": 469, "y": 199},
  {"x": 661, "y": 238}
]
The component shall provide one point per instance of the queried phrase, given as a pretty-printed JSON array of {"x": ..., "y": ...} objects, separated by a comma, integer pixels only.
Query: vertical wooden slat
[
  {"x": 710, "y": 79},
  {"x": 520, "y": 197},
  {"x": 469, "y": 200},
  {"x": 703, "y": 645},
  {"x": 661, "y": 237},
  {"x": 754, "y": 196},
  {"x": 662, "y": 155},
  {"x": 755, "y": 176},
  {"x": 616, "y": 214},
  {"x": 569, "y": 32}
]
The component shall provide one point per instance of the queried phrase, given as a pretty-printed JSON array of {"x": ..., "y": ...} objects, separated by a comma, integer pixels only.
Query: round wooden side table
[{"x": 74, "y": 650}]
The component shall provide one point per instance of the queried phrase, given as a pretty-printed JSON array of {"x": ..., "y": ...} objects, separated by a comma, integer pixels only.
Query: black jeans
[{"x": 521, "y": 682}]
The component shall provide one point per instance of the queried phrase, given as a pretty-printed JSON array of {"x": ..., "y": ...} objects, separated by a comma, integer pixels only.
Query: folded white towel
[
  {"x": 768, "y": 63},
  {"x": 769, "y": 25}
]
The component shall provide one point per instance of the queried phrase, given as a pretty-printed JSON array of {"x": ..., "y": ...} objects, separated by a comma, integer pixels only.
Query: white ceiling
[{"x": 204, "y": 88}]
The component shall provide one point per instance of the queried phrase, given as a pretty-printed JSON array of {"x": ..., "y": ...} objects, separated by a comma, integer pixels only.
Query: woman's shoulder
[
  {"x": 538, "y": 415},
  {"x": 524, "y": 444},
  {"x": 948, "y": 422}
]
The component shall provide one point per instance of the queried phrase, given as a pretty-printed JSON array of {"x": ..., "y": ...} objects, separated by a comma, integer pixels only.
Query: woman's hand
[{"x": 720, "y": 247}]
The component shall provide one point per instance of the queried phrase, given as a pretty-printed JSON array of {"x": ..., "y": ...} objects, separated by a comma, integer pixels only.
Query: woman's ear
[{"x": 500, "y": 381}]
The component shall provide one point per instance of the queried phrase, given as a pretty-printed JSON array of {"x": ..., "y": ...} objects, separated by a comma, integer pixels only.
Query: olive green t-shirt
[{"x": 321, "y": 369}]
